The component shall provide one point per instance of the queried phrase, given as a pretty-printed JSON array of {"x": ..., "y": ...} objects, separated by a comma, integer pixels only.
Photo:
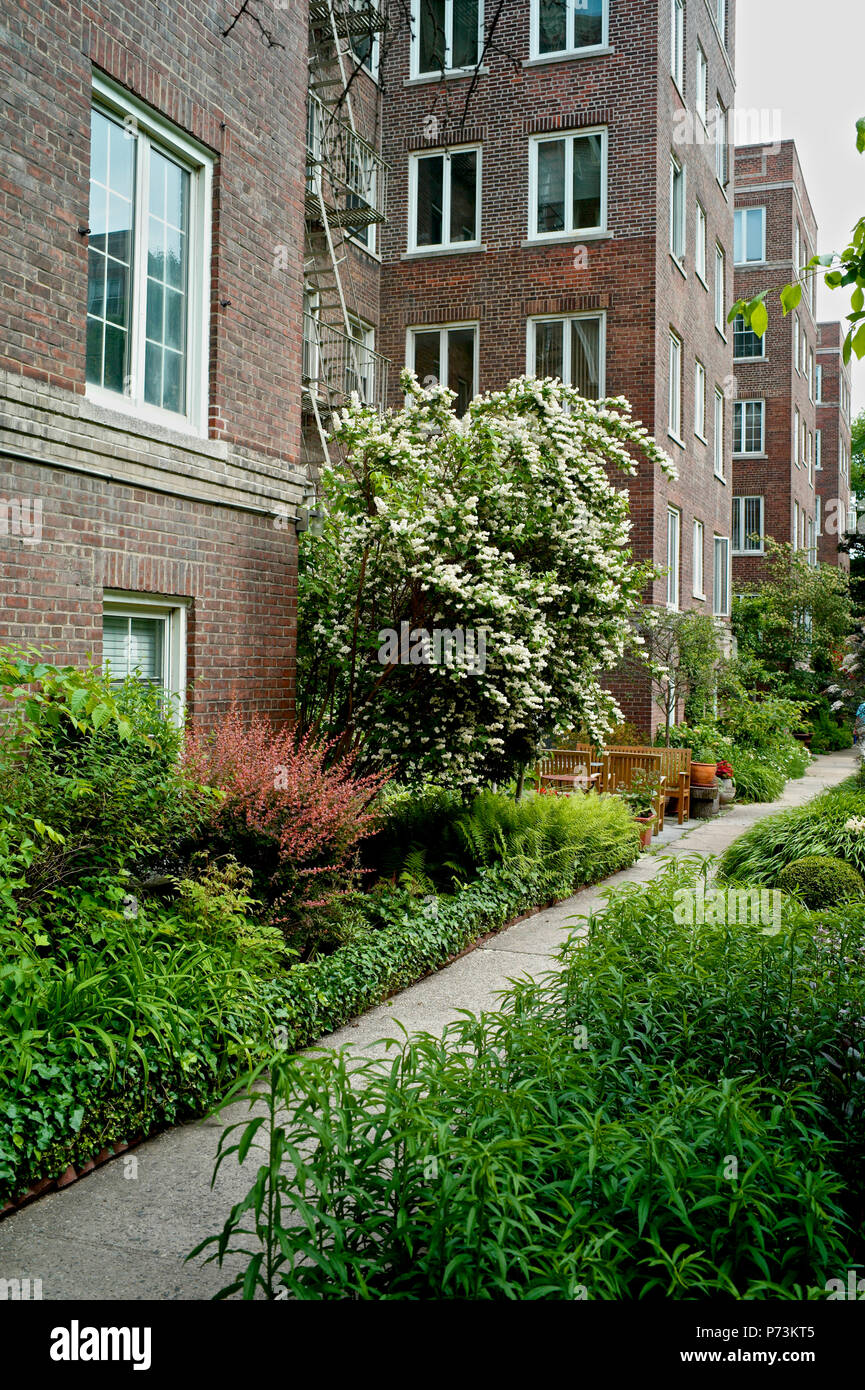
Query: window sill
[
  {"x": 700, "y": 598},
  {"x": 746, "y": 360},
  {"x": 746, "y": 554},
  {"x": 676, "y": 439},
  {"x": 447, "y": 75},
  {"x": 703, "y": 440},
  {"x": 565, "y": 238},
  {"x": 740, "y": 457},
  {"x": 680, "y": 266},
  {"x": 115, "y": 410},
  {"x": 703, "y": 281},
  {"x": 720, "y": 477},
  {"x": 721, "y": 334},
  {"x": 569, "y": 56},
  {"x": 461, "y": 249}
]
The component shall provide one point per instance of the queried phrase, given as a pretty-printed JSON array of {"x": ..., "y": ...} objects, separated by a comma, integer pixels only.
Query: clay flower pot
[
  {"x": 703, "y": 774},
  {"x": 647, "y": 825}
]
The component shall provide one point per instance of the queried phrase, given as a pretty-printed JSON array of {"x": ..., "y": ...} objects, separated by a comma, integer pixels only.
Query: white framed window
[
  {"x": 721, "y": 143},
  {"x": 446, "y": 355},
  {"x": 818, "y": 384},
  {"x": 811, "y": 386},
  {"x": 721, "y": 19},
  {"x": 797, "y": 246},
  {"x": 795, "y": 525},
  {"x": 746, "y": 344},
  {"x": 677, "y": 43},
  {"x": 721, "y": 587},
  {"x": 700, "y": 242},
  {"x": 818, "y": 508},
  {"x": 562, "y": 27},
  {"x": 365, "y": 44},
  {"x": 812, "y": 557},
  {"x": 144, "y": 636},
  {"x": 447, "y": 36},
  {"x": 749, "y": 418},
  {"x": 719, "y": 433},
  {"x": 701, "y": 94},
  {"x": 148, "y": 282},
  {"x": 720, "y": 289},
  {"x": 818, "y": 451},
  {"x": 796, "y": 430},
  {"x": 749, "y": 238},
  {"x": 810, "y": 458},
  {"x": 360, "y": 362},
  {"x": 700, "y": 400},
  {"x": 674, "y": 534},
  {"x": 852, "y": 515},
  {"x": 571, "y": 348},
  {"x": 568, "y": 184},
  {"x": 699, "y": 560},
  {"x": 796, "y": 345},
  {"x": 677, "y": 209},
  {"x": 748, "y": 529},
  {"x": 675, "y": 388},
  {"x": 445, "y": 199}
]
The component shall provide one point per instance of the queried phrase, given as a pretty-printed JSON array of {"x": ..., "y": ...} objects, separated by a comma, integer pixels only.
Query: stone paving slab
[{"x": 109, "y": 1237}]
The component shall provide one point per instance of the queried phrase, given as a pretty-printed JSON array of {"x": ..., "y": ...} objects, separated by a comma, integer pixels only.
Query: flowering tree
[{"x": 503, "y": 526}]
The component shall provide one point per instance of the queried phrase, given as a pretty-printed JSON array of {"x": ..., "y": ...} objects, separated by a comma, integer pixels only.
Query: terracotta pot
[
  {"x": 647, "y": 825},
  {"x": 703, "y": 774}
]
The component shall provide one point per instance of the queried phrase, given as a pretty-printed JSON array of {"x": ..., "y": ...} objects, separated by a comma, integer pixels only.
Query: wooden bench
[
  {"x": 620, "y": 764},
  {"x": 676, "y": 766},
  {"x": 577, "y": 768}
]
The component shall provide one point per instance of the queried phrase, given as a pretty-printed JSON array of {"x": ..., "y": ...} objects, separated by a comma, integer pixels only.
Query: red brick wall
[{"x": 833, "y": 421}]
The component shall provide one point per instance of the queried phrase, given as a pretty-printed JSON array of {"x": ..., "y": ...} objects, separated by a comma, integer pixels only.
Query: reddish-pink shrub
[{"x": 296, "y": 821}]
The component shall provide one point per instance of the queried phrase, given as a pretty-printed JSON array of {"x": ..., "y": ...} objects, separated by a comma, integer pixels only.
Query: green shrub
[
  {"x": 827, "y": 735},
  {"x": 676, "y": 1113},
  {"x": 756, "y": 778},
  {"x": 821, "y": 881},
  {"x": 822, "y": 827}
]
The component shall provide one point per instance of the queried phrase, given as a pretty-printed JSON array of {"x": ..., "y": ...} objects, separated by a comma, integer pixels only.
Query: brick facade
[
  {"x": 833, "y": 422},
  {"x": 128, "y": 504}
]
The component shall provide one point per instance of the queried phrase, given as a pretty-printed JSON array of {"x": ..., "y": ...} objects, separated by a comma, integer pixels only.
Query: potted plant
[
  {"x": 726, "y": 784},
  {"x": 640, "y": 798},
  {"x": 704, "y": 767}
]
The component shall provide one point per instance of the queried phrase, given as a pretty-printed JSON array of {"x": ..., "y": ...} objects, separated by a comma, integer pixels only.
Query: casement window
[
  {"x": 803, "y": 355},
  {"x": 811, "y": 386},
  {"x": 796, "y": 344},
  {"x": 365, "y": 43},
  {"x": 721, "y": 143},
  {"x": 700, "y": 243},
  {"x": 721, "y": 587},
  {"x": 572, "y": 349},
  {"x": 795, "y": 525},
  {"x": 701, "y": 96},
  {"x": 360, "y": 362},
  {"x": 568, "y": 26},
  {"x": 144, "y": 637},
  {"x": 445, "y": 199},
  {"x": 796, "y": 429},
  {"x": 719, "y": 433},
  {"x": 677, "y": 209},
  {"x": 568, "y": 184},
  {"x": 749, "y": 241},
  {"x": 749, "y": 427},
  {"x": 677, "y": 42},
  {"x": 804, "y": 526},
  {"x": 812, "y": 550},
  {"x": 810, "y": 457},
  {"x": 720, "y": 289},
  {"x": 818, "y": 384},
  {"x": 746, "y": 344},
  {"x": 818, "y": 507},
  {"x": 818, "y": 451},
  {"x": 446, "y": 356},
  {"x": 721, "y": 19},
  {"x": 748, "y": 527},
  {"x": 852, "y": 516},
  {"x": 699, "y": 560},
  {"x": 700, "y": 400},
  {"x": 447, "y": 36},
  {"x": 148, "y": 282},
  {"x": 797, "y": 246},
  {"x": 674, "y": 534},
  {"x": 675, "y": 388}
]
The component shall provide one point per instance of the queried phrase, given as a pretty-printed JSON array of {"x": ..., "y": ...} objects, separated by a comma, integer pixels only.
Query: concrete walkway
[{"x": 123, "y": 1231}]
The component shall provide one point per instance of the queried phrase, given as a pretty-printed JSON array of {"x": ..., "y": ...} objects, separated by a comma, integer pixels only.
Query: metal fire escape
[{"x": 346, "y": 193}]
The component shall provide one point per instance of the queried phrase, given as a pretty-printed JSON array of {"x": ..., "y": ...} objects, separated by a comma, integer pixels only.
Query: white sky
[{"x": 805, "y": 62}]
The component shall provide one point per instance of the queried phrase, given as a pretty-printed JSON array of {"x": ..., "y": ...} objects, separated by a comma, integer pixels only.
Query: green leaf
[
  {"x": 860, "y": 135},
  {"x": 859, "y": 342},
  {"x": 760, "y": 319},
  {"x": 791, "y": 296}
]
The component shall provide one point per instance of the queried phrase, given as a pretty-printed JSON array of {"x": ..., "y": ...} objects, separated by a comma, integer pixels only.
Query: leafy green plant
[
  {"x": 828, "y": 825},
  {"x": 821, "y": 881}
]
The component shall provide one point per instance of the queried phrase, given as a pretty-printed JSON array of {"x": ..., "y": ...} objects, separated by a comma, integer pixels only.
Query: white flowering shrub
[{"x": 504, "y": 522}]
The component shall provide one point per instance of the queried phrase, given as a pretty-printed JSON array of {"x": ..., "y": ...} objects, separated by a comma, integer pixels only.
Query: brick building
[
  {"x": 152, "y": 195},
  {"x": 776, "y": 442},
  {"x": 835, "y": 514},
  {"x": 560, "y": 202}
]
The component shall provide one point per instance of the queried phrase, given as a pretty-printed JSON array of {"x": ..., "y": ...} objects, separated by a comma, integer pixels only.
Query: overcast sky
[{"x": 805, "y": 62}]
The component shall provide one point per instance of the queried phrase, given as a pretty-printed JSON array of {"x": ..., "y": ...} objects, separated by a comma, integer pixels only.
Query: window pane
[
  {"x": 551, "y": 186},
  {"x": 427, "y": 358},
  {"x": 587, "y": 181},
  {"x": 432, "y": 35},
  {"x": 461, "y": 366},
  {"x": 133, "y": 646},
  {"x": 754, "y": 243},
  {"x": 464, "y": 182},
  {"x": 588, "y": 22},
  {"x": 167, "y": 269},
  {"x": 585, "y": 357},
  {"x": 109, "y": 262},
  {"x": 430, "y": 201},
  {"x": 553, "y": 23},
  {"x": 465, "y": 39},
  {"x": 745, "y": 341},
  {"x": 549, "y": 349}
]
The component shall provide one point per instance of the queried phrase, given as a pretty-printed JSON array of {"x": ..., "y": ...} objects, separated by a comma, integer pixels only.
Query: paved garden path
[{"x": 123, "y": 1231}]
